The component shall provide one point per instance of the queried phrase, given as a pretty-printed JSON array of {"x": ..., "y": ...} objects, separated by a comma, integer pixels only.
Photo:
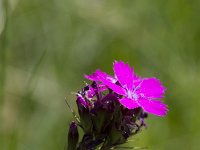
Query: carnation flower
[
  {"x": 136, "y": 91},
  {"x": 113, "y": 108}
]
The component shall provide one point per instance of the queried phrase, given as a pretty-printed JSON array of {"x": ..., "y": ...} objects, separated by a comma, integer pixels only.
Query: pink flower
[{"x": 137, "y": 92}]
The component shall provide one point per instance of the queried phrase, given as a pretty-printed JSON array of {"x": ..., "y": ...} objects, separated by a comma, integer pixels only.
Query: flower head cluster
[{"x": 112, "y": 108}]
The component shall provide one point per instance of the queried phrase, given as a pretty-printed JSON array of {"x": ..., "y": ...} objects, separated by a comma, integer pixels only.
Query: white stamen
[
  {"x": 132, "y": 95},
  {"x": 129, "y": 93},
  {"x": 135, "y": 96}
]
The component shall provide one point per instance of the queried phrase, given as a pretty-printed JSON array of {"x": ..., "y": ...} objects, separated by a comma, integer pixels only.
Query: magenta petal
[
  {"x": 152, "y": 88},
  {"x": 94, "y": 76},
  {"x": 114, "y": 87},
  {"x": 105, "y": 76},
  {"x": 155, "y": 107},
  {"x": 90, "y": 93},
  {"x": 97, "y": 74},
  {"x": 107, "y": 80},
  {"x": 128, "y": 103},
  {"x": 124, "y": 73},
  {"x": 102, "y": 87}
]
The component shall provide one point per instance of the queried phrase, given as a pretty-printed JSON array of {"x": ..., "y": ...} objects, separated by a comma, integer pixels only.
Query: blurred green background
[{"x": 47, "y": 45}]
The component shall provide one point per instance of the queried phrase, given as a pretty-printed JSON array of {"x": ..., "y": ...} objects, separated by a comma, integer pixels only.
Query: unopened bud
[
  {"x": 84, "y": 114},
  {"x": 72, "y": 136}
]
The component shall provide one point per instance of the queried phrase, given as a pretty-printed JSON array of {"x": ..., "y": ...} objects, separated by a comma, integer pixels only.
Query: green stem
[{"x": 3, "y": 49}]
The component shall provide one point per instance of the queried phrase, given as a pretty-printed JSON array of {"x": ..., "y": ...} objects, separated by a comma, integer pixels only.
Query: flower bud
[
  {"x": 72, "y": 136},
  {"x": 81, "y": 103},
  {"x": 84, "y": 113}
]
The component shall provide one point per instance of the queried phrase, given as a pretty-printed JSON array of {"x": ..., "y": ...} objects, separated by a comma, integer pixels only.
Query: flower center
[
  {"x": 135, "y": 96},
  {"x": 132, "y": 95}
]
